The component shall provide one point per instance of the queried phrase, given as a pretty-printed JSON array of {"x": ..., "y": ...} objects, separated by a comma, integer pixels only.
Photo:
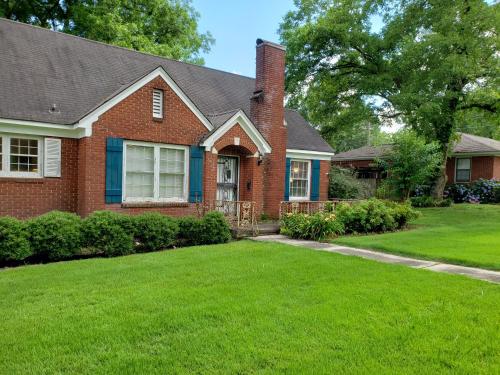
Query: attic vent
[{"x": 157, "y": 103}]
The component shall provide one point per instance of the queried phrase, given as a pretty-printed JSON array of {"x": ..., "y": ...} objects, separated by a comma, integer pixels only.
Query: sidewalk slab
[{"x": 477, "y": 273}]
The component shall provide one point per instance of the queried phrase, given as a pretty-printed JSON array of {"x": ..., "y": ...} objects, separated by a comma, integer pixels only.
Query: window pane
[
  {"x": 139, "y": 180},
  {"x": 463, "y": 175},
  {"x": 171, "y": 186},
  {"x": 463, "y": 163},
  {"x": 299, "y": 179},
  {"x": 23, "y": 155},
  {"x": 171, "y": 173}
]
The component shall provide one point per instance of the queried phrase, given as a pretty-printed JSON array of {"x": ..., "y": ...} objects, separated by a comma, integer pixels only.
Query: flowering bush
[
  {"x": 485, "y": 190},
  {"x": 318, "y": 226},
  {"x": 481, "y": 191}
]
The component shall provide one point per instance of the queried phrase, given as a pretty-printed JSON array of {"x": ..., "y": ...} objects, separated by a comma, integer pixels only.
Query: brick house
[
  {"x": 472, "y": 158},
  {"x": 86, "y": 126}
]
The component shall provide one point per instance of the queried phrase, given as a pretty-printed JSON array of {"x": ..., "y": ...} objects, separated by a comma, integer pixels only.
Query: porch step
[{"x": 263, "y": 229}]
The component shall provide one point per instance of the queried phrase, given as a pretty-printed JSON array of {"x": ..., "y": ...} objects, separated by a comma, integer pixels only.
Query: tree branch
[{"x": 484, "y": 106}]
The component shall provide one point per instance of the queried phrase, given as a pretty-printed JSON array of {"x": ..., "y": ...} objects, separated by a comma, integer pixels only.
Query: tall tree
[
  {"x": 430, "y": 63},
  {"x": 163, "y": 27}
]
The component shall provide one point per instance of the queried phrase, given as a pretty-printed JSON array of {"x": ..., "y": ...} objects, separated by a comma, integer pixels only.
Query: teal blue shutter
[
  {"x": 196, "y": 174},
  {"x": 287, "y": 179},
  {"x": 315, "y": 176},
  {"x": 114, "y": 170}
]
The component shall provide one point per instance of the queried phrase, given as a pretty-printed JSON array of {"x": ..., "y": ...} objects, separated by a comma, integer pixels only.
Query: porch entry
[{"x": 227, "y": 178}]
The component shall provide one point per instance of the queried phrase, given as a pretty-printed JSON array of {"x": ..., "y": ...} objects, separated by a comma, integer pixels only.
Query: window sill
[{"x": 154, "y": 204}]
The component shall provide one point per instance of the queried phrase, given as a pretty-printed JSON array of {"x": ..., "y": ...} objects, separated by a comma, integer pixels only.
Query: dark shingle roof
[
  {"x": 39, "y": 68},
  {"x": 470, "y": 144},
  {"x": 467, "y": 144},
  {"x": 363, "y": 153}
]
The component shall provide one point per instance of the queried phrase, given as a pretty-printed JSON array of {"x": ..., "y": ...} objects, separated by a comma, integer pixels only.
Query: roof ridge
[{"x": 121, "y": 48}]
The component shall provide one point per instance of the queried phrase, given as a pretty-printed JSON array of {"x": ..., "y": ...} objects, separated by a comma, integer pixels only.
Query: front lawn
[
  {"x": 465, "y": 234},
  {"x": 244, "y": 307}
]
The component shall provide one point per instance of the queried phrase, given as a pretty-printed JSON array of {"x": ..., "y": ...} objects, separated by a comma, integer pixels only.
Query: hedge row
[
  {"x": 372, "y": 215},
  {"x": 61, "y": 235}
]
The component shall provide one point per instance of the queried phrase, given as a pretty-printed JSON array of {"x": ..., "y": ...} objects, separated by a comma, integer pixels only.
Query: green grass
[
  {"x": 462, "y": 234},
  {"x": 245, "y": 307}
]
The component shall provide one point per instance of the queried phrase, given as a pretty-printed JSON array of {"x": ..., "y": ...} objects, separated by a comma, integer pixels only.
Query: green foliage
[
  {"x": 411, "y": 162},
  {"x": 190, "y": 230},
  {"x": 14, "y": 244},
  {"x": 431, "y": 63},
  {"x": 343, "y": 184},
  {"x": 109, "y": 233},
  {"x": 213, "y": 228},
  {"x": 155, "y": 231},
  {"x": 162, "y": 27},
  {"x": 426, "y": 201},
  {"x": 55, "y": 235},
  {"x": 317, "y": 227},
  {"x": 374, "y": 215}
]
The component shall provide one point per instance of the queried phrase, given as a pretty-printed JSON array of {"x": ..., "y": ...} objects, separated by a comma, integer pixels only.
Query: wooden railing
[
  {"x": 238, "y": 213},
  {"x": 310, "y": 207}
]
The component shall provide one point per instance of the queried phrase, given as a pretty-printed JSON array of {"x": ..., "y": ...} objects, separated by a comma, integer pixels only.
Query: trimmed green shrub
[
  {"x": 371, "y": 215},
  {"x": 190, "y": 231},
  {"x": 402, "y": 213},
  {"x": 14, "y": 244},
  {"x": 108, "y": 233},
  {"x": 317, "y": 227},
  {"x": 426, "y": 201},
  {"x": 55, "y": 235},
  {"x": 155, "y": 231},
  {"x": 215, "y": 229}
]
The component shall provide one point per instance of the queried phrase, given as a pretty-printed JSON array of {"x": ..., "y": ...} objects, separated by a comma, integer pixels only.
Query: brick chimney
[{"x": 267, "y": 112}]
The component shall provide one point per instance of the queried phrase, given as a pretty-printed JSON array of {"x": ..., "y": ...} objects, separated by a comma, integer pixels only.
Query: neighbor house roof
[
  {"x": 363, "y": 153},
  {"x": 471, "y": 144},
  {"x": 467, "y": 144},
  {"x": 40, "y": 68}
]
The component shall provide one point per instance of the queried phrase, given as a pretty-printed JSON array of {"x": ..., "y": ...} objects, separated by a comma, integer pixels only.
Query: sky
[{"x": 236, "y": 25}]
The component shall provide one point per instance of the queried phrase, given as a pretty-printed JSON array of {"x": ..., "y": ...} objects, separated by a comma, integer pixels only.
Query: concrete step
[{"x": 261, "y": 229}]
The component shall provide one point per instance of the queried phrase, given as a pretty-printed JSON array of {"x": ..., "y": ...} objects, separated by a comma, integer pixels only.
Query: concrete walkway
[{"x": 476, "y": 273}]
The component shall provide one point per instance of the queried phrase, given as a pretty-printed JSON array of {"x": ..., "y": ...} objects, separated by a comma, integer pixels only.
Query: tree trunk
[{"x": 440, "y": 182}]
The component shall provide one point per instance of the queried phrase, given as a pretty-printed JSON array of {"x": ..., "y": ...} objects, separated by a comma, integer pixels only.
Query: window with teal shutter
[
  {"x": 114, "y": 170},
  {"x": 196, "y": 174},
  {"x": 287, "y": 180},
  {"x": 315, "y": 180}
]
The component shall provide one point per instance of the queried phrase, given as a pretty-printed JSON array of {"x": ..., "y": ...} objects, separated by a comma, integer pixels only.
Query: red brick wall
[
  {"x": 324, "y": 170},
  {"x": 132, "y": 119},
  {"x": 496, "y": 168},
  {"x": 268, "y": 115},
  {"x": 23, "y": 198},
  {"x": 481, "y": 167}
]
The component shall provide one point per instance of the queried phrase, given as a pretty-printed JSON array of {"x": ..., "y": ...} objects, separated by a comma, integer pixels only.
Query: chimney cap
[{"x": 262, "y": 42}]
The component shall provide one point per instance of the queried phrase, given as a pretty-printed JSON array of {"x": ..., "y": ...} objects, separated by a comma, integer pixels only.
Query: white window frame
[
  {"x": 156, "y": 178},
  {"x": 161, "y": 94},
  {"x": 456, "y": 170},
  {"x": 5, "y": 172},
  {"x": 305, "y": 198}
]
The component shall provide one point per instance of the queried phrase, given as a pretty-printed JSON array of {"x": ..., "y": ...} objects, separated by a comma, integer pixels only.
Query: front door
[{"x": 227, "y": 178}]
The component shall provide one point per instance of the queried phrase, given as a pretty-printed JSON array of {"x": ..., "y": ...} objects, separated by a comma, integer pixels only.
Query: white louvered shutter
[
  {"x": 158, "y": 103},
  {"x": 52, "y": 157}
]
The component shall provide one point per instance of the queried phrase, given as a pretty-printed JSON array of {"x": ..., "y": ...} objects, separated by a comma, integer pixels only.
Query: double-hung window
[
  {"x": 155, "y": 172},
  {"x": 300, "y": 177},
  {"x": 20, "y": 156},
  {"x": 462, "y": 170}
]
